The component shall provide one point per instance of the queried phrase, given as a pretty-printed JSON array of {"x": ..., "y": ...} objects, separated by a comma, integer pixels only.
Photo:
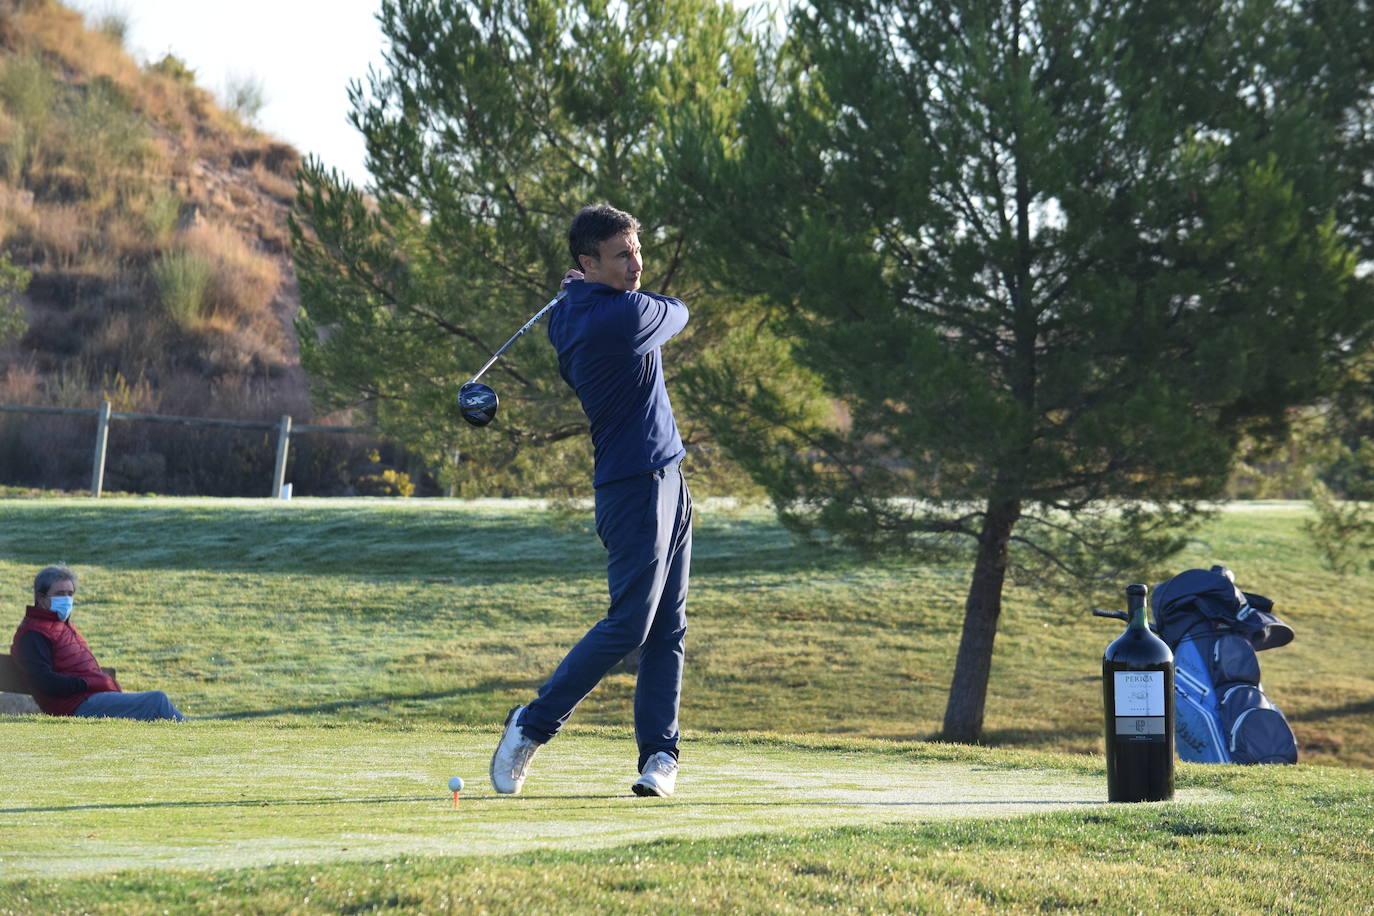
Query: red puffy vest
[{"x": 70, "y": 656}]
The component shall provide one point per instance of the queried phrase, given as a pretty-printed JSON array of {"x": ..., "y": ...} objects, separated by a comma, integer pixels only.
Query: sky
[{"x": 303, "y": 53}]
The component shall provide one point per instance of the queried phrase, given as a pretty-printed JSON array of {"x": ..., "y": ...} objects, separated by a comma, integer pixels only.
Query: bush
[
  {"x": 1342, "y": 531},
  {"x": 111, "y": 21},
  {"x": 59, "y": 239},
  {"x": 27, "y": 94},
  {"x": 27, "y": 91},
  {"x": 381, "y": 481},
  {"x": 175, "y": 69},
  {"x": 105, "y": 138},
  {"x": 16, "y": 150},
  {"x": 161, "y": 209},
  {"x": 182, "y": 279},
  {"x": 13, "y": 280},
  {"x": 242, "y": 281},
  {"x": 386, "y": 483},
  {"x": 245, "y": 96}
]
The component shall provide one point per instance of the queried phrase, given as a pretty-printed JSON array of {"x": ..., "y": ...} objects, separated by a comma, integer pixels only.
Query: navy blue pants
[{"x": 645, "y": 522}]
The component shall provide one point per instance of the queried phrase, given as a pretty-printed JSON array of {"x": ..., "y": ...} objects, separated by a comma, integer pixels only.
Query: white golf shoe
[
  {"x": 659, "y": 776},
  {"x": 510, "y": 764}
]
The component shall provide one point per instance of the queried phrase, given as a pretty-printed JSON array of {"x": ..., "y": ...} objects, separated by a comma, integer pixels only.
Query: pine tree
[
  {"x": 1041, "y": 266},
  {"x": 490, "y": 125}
]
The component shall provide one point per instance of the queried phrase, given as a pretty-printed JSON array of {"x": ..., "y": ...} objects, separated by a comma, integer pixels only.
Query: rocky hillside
[
  {"x": 152, "y": 221},
  {"x": 153, "y": 225}
]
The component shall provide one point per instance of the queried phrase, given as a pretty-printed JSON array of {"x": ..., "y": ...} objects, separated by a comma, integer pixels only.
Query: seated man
[{"x": 65, "y": 677}]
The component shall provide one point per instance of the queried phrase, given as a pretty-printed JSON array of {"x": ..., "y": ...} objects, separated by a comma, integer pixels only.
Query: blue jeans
[
  {"x": 645, "y": 522},
  {"x": 147, "y": 706}
]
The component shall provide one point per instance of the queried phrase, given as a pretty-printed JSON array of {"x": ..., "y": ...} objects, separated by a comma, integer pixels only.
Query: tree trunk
[{"x": 968, "y": 692}]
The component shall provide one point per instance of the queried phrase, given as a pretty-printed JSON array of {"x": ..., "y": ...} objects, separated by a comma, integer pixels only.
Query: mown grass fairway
[
  {"x": 342, "y": 659},
  {"x": 206, "y": 795},
  {"x": 212, "y": 817}
]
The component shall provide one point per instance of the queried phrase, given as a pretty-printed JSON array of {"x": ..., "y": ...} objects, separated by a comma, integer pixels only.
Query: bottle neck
[{"x": 1135, "y": 609}]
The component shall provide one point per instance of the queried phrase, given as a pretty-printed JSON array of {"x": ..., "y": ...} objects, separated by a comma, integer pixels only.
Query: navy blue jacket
[{"x": 608, "y": 351}]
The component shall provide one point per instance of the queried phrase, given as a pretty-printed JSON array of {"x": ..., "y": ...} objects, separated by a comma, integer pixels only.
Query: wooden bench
[{"x": 15, "y": 698}]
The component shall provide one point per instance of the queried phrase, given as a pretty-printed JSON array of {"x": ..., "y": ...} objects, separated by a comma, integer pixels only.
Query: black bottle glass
[{"x": 1138, "y": 700}]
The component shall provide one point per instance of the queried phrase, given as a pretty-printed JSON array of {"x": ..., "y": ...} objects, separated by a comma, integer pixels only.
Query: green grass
[
  {"x": 439, "y": 612},
  {"x": 232, "y": 817},
  {"x": 183, "y": 280},
  {"x": 343, "y": 658},
  {"x": 256, "y": 794}
]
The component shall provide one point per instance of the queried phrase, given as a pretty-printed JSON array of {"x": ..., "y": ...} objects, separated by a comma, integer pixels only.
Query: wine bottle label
[
  {"x": 1139, "y": 693},
  {"x": 1139, "y": 726}
]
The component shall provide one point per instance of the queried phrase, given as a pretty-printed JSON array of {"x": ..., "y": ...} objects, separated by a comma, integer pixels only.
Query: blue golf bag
[{"x": 1221, "y": 714}]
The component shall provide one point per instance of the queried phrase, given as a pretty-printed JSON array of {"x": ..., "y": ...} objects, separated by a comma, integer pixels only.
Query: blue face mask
[{"x": 61, "y": 605}]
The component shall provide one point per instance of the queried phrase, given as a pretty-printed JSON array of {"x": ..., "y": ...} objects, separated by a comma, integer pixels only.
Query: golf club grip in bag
[{"x": 1222, "y": 714}]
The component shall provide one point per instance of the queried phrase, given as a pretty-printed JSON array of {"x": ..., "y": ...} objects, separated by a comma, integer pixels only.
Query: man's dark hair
[{"x": 593, "y": 225}]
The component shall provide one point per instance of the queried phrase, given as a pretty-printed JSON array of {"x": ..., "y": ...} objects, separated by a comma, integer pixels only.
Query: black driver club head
[{"x": 477, "y": 403}]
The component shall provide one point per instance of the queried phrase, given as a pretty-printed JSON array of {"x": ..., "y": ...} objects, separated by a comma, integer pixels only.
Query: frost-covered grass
[
  {"x": 437, "y": 612},
  {"x": 120, "y": 796},
  {"x": 342, "y": 659},
  {"x": 411, "y": 612},
  {"x": 200, "y": 817}
]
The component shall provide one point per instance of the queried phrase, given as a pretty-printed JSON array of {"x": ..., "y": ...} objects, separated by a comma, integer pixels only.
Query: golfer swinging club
[{"x": 608, "y": 335}]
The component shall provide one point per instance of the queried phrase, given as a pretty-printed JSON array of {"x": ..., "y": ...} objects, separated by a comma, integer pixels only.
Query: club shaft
[{"x": 516, "y": 336}]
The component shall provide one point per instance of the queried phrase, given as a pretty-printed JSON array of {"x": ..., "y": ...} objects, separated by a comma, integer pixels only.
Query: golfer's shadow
[{"x": 361, "y": 702}]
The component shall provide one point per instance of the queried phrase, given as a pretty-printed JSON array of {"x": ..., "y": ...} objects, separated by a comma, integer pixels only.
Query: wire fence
[{"x": 105, "y": 415}]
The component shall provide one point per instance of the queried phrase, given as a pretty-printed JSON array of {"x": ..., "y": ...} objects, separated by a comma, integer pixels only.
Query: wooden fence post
[
  {"x": 283, "y": 442},
  {"x": 102, "y": 435}
]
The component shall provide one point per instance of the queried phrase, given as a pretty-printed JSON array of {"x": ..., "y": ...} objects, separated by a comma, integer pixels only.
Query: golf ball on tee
[{"x": 455, "y": 784}]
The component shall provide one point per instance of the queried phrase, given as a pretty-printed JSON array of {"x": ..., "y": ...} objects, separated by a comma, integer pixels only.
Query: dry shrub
[
  {"x": 230, "y": 323},
  {"x": 59, "y": 237},
  {"x": 138, "y": 396},
  {"x": 243, "y": 280},
  {"x": 241, "y": 196},
  {"x": 20, "y": 384},
  {"x": 275, "y": 237},
  {"x": 109, "y": 19},
  {"x": 123, "y": 238},
  {"x": 27, "y": 93},
  {"x": 17, "y": 215},
  {"x": 197, "y": 128},
  {"x": 159, "y": 210},
  {"x": 73, "y": 385},
  {"x": 125, "y": 339},
  {"x": 249, "y": 348},
  {"x": 97, "y": 152},
  {"x": 168, "y": 96},
  {"x": 14, "y": 149},
  {"x": 59, "y": 183},
  {"x": 57, "y": 30},
  {"x": 274, "y": 184},
  {"x": 164, "y": 102},
  {"x": 245, "y": 397},
  {"x": 271, "y": 156}
]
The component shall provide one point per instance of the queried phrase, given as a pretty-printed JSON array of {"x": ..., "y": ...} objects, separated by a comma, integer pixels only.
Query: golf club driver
[{"x": 477, "y": 402}]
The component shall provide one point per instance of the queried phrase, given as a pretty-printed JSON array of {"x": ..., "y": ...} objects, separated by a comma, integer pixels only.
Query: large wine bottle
[{"x": 1138, "y": 698}]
